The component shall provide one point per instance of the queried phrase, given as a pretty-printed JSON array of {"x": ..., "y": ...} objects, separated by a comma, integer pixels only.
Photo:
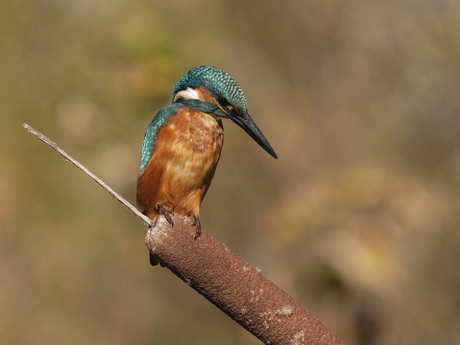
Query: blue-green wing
[{"x": 151, "y": 133}]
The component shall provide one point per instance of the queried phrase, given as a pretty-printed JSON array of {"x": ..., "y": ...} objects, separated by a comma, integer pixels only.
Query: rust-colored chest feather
[{"x": 182, "y": 164}]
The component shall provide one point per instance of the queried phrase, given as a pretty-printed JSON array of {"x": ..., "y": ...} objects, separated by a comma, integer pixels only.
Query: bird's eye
[{"x": 223, "y": 102}]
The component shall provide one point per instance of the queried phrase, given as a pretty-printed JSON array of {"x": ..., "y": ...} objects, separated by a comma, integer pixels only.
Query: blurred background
[{"x": 358, "y": 219}]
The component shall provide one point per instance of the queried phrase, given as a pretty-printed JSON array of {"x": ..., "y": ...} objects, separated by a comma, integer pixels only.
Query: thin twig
[{"x": 68, "y": 158}]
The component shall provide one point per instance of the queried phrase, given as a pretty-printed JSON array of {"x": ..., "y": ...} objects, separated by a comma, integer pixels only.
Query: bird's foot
[
  {"x": 197, "y": 224},
  {"x": 167, "y": 214}
]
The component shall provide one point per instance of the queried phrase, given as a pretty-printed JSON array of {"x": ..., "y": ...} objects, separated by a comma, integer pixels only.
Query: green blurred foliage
[{"x": 358, "y": 219}]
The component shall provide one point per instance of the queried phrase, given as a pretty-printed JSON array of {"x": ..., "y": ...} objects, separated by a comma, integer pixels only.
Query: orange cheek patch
[{"x": 205, "y": 96}]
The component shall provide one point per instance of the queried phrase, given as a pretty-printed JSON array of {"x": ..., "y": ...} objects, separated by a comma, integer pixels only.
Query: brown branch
[
  {"x": 226, "y": 280},
  {"x": 234, "y": 286}
]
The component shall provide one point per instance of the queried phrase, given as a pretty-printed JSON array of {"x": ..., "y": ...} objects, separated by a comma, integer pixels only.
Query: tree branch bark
[
  {"x": 226, "y": 280},
  {"x": 234, "y": 286}
]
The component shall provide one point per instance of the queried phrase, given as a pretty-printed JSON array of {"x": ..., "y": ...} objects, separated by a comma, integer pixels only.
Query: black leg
[
  {"x": 198, "y": 227},
  {"x": 167, "y": 214}
]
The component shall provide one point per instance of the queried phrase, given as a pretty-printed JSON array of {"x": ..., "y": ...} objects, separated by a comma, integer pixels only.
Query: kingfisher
[{"x": 183, "y": 143}]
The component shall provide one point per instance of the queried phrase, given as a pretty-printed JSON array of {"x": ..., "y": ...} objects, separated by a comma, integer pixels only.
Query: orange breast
[{"x": 182, "y": 165}]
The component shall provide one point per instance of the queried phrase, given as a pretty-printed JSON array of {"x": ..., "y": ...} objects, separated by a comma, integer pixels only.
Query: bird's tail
[{"x": 155, "y": 260}]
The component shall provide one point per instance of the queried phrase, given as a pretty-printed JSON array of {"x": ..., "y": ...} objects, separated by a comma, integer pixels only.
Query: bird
[{"x": 182, "y": 144}]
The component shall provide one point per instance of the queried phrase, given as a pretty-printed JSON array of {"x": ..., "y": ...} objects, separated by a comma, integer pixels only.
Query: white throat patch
[{"x": 188, "y": 93}]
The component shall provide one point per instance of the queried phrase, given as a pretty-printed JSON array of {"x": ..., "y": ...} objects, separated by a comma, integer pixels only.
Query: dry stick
[
  {"x": 226, "y": 280},
  {"x": 68, "y": 158}
]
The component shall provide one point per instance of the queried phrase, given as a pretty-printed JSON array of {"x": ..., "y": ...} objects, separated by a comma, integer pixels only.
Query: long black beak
[{"x": 245, "y": 122}]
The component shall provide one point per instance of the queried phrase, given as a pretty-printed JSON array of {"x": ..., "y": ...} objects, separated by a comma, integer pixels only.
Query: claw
[
  {"x": 167, "y": 214},
  {"x": 197, "y": 226}
]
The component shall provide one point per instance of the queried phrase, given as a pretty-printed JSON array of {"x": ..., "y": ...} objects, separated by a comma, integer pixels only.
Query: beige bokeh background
[{"x": 358, "y": 219}]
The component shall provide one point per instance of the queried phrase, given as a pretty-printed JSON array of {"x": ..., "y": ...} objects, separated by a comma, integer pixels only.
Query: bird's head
[{"x": 213, "y": 86}]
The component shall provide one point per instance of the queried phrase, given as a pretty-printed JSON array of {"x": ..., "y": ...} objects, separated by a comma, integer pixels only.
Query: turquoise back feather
[{"x": 151, "y": 133}]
